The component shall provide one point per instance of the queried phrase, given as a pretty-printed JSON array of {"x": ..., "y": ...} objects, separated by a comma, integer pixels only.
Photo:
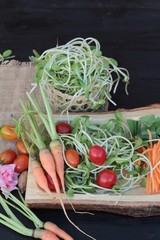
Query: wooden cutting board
[{"x": 133, "y": 203}]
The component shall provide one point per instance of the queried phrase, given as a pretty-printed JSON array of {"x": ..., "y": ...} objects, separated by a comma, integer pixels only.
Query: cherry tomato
[
  {"x": 72, "y": 157},
  {"x": 8, "y": 132},
  {"x": 50, "y": 182},
  {"x": 21, "y": 163},
  {"x": 20, "y": 147},
  {"x": 97, "y": 154},
  {"x": 106, "y": 178},
  {"x": 7, "y": 156},
  {"x": 63, "y": 127}
]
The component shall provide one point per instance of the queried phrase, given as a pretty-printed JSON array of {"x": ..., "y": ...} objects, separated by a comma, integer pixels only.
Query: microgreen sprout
[
  {"x": 78, "y": 68},
  {"x": 7, "y": 54}
]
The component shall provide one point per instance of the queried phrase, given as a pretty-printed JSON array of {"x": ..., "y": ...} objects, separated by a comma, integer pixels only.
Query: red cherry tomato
[
  {"x": 21, "y": 163},
  {"x": 106, "y": 178},
  {"x": 63, "y": 127},
  {"x": 50, "y": 182},
  {"x": 72, "y": 157},
  {"x": 97, "y": 154},
  {"x": 20, "y": 147},
  {"x": 8, "y": 132},
  {"x": 7, "y": 156}
]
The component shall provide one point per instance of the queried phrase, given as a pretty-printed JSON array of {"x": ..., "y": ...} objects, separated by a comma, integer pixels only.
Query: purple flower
[{"x": 8, "y": 178}]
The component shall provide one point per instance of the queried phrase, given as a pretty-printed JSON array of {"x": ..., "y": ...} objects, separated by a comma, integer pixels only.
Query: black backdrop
[{"x": 128, "y": 31}]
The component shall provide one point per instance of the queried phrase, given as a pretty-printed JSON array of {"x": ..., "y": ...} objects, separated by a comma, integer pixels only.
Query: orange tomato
[
  {"x": 72, "y": 157},
  {"x": 8, "y": 132},
  {"x": 7, "y": 156},
  {"x": 21, "y": 163},
  {"x": 20, "y": 147}
]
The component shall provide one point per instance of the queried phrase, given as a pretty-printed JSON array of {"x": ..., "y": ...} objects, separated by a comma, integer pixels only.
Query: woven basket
[{"x": 62, "y": 101}]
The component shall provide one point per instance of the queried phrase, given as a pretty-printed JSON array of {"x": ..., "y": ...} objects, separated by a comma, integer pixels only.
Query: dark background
[{"x": 128, "y": 31}]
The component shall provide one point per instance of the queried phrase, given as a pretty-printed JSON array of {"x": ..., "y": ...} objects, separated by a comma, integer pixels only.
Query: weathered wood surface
[{"x": 133, "y": 203}]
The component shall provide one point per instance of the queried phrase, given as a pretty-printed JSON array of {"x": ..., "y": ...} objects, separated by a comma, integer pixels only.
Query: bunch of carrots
[
  {"x": 43, "y": 230},
  {"x": 50, "y": 156}
]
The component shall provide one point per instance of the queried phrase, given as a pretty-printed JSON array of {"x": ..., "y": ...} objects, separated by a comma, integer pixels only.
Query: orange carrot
[
  {"x": 56, "y": 230},
  {"x": 48, "y": 164},
  {"x": 55, "y": 145},
  {"x": 39, "y": 176},
  {"x": 57, "y": 153}
]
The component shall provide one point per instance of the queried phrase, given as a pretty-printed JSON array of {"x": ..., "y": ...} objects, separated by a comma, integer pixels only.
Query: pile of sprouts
[{"x": 78, "y": 68}]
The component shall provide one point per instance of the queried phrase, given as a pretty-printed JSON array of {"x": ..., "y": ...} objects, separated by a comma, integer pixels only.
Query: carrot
[
  {"x": 45, "y": 155},
  {"x": 56, "y": 230},
  {"x": 35, "y": 137},
  {"x": 55, "y": 145},
  {"x": 39, "y": 176},
  {"x": 57, "y": 153},
  {"x": 48, "y": 164}
]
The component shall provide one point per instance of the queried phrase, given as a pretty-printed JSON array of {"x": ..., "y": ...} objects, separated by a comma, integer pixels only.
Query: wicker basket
[{"x": 61, "y": 101}]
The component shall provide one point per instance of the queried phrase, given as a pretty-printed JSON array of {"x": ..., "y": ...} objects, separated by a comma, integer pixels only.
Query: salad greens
[{"x": 116, "y": 136}]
